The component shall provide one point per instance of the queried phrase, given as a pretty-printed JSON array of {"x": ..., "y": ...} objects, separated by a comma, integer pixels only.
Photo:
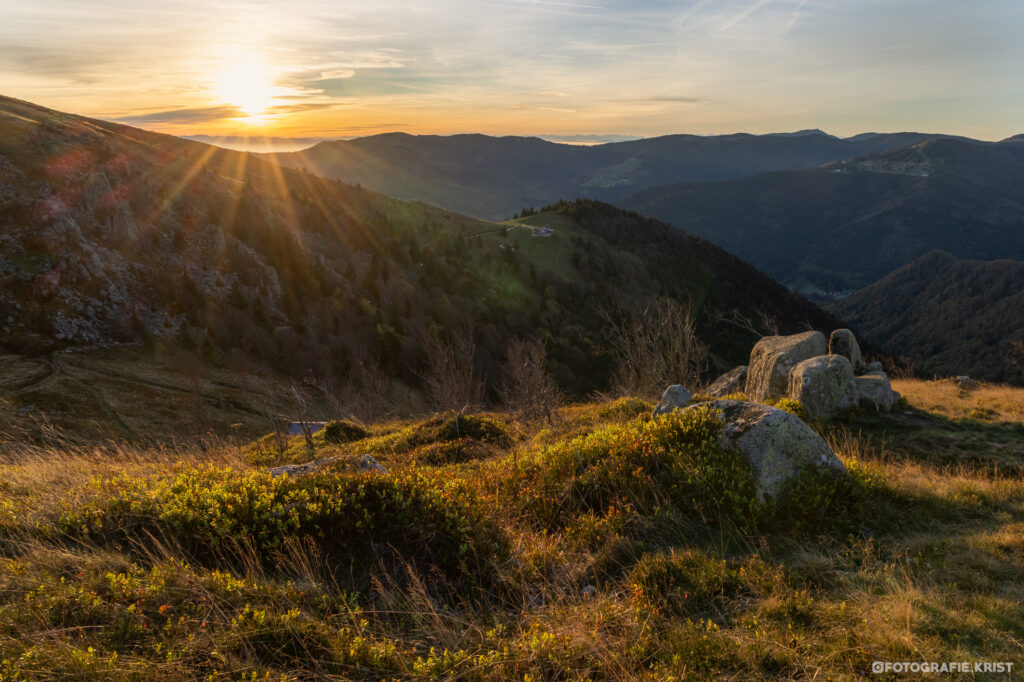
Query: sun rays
[{"x": 247, "y": 82}]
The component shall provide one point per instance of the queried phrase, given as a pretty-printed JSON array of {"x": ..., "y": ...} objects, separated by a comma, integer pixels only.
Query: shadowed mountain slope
[
  {"x": 840, "y": 227},
  {"x": 949, "y": 316}
]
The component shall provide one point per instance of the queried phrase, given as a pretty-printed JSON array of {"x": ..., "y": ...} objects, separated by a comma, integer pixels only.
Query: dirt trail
[
  {"x": 51, "y": 372},
  {"x": 213, "y": 401}
]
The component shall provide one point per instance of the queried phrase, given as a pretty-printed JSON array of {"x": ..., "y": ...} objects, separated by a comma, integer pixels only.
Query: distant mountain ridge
[
  {"x": 495, "y": 177},
  {"x": 840, "y": 227},
  {"x": 949, "y": 316}
]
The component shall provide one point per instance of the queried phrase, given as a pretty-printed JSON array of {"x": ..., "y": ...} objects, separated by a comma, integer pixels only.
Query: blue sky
[{"x": 592, "y": 67}]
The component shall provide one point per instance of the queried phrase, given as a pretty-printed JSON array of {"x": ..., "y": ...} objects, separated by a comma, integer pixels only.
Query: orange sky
[{"x": 313, "y": 68}]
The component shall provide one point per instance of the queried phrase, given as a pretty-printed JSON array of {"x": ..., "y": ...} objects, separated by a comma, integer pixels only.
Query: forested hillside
[
  {"x": 836, "y": 229},
  {"x": 948, "y": 316}
]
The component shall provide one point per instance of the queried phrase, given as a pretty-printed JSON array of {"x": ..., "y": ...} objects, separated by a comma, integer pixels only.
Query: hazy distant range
[{"x": 267, "y": 145}]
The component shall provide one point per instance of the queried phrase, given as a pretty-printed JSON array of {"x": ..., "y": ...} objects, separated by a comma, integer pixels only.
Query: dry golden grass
[
  {"x": 936, "y": 576},
  {"x": 987, "y": 402}
]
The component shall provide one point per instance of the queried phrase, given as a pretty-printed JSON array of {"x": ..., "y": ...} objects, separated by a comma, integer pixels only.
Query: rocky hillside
[
  {"x": 948, "y": 316},
  {"x": 113, "y": 235},
  {"x": 836, "y": 229},
  {"x": 494, "y": 177}
]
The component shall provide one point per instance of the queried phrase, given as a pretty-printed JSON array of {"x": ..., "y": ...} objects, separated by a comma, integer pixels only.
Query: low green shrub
[
  {"x": 794, "y": 407},
  {"x": 486, "y": 428},
  {"x": 684, "y": 583},
  {"x": 273, "y": 450},
  {"x": 624, "y": 408},
  {"x": 452, "y": 452},
  {"x": 355, "y": 519},
  {"x": 673, "y": 461},
  {"x": 344, "y": 431},
  {"x": 704, "y": 397}
]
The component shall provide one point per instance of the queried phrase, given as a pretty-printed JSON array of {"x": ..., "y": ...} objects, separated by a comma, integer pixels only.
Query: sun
[{"x": 248, "y": 84}]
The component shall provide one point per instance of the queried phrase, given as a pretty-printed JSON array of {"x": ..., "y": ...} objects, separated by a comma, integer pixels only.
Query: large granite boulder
[
  {"x": 778, "y": 446},
  {"x": 772, "y": 359},
  {"x": 875, "y": 392},
  {"x": 823, "y": 385},
  {"x": 733, "y": 381},
  {"x": 675, "y": 397},
  {"x": 843, "y": 342}
]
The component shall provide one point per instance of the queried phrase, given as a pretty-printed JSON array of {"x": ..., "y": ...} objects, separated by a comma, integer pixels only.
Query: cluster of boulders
[{"x": 826, "y": 377}]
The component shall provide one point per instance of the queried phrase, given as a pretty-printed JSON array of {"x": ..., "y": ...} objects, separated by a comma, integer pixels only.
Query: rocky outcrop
[
  {"x": 843, "y": 342},
  {"x": 875, "y": 392},
  {"x": 675, "y": 397},
  {"x": 965, "y": 383},
  {"x": 778, "y": 446},
  {"x": 772, "y": 359},
  {"x": 733, "y": 381},
  {"x": 823, "y": 385}
]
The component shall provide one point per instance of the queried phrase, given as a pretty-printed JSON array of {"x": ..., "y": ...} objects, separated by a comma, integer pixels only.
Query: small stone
[
  {"x": 368, "y": 463},
  {"x": 675, "y": 397}
]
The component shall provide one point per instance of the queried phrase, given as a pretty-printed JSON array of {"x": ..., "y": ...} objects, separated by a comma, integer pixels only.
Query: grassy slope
[{"x": 926, "y": 565}]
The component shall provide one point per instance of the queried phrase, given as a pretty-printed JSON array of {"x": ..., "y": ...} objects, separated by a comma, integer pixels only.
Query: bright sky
[{"x": 331, "y": 68}]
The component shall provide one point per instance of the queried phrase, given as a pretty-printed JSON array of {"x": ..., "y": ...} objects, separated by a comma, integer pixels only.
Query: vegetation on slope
[
  {"x": 838, "y": 228},
  {"x": 947, "y": 316},
  {"x": 605, "y": 544}
]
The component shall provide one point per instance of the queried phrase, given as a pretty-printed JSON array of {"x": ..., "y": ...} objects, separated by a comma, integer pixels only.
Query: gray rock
[
  {"x": 875, "y": 366},
  {"x": 772, "y": 359},
  {"x": 823, "y": 385},
  {"x": 965, "y": 383},
  {"x": 368, "y": 463},
  {"x": 875, "y": 392},
  {"x": 843, "y": 342},
  {"x": 675, "y": 397},
  {"x": 733, "y": 381},
  {"x": 297, "y": 470},
  {"x": 360, "y": 463},
  {"x": 777, "y": 445}
]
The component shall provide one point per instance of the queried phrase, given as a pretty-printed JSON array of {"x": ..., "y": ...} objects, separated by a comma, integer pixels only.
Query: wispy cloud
[
  {"x": 522, "y": 66},
  {"x": 744, "y": 14},
  {"x": 185, "y": 116}
]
